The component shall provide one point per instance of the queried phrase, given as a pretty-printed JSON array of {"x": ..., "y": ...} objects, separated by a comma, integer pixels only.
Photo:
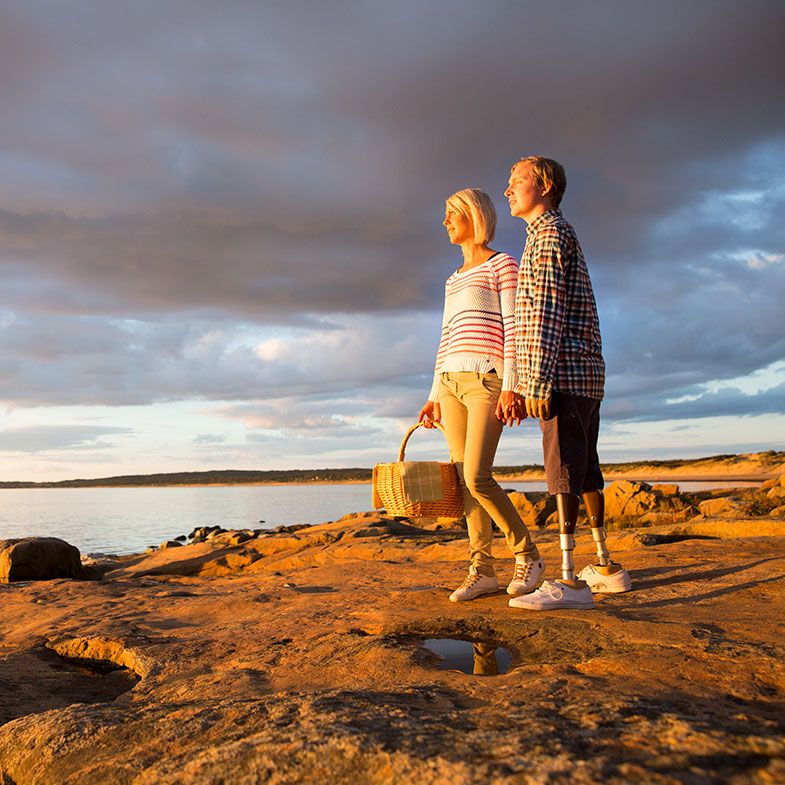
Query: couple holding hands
[{"x": 522, "y": 342}]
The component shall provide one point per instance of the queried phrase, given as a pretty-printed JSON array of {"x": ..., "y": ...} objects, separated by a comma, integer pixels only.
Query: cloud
[
  {"x": 70, "y": 360},
  {"x": 45, "y": 438},
  {"x": 260, "y": 173},
  {"x": 209, "y": 438},
  {"x": 242, "y": 204}
]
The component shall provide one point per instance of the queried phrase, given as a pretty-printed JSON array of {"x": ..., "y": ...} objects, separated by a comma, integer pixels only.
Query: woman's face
[{"x": 459, "y": 227}]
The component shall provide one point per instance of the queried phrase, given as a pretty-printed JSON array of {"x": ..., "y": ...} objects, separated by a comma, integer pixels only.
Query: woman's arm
[{"x": 506, "y": 285}]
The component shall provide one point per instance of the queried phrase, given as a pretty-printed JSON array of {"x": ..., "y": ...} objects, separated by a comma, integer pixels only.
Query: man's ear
[{"x": 547, "y": 189}]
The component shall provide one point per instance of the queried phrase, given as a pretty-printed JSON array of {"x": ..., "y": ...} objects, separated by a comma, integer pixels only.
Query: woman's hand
[
  {"x": 430, "y": 413},
  {"x": 511, "y": 408}
]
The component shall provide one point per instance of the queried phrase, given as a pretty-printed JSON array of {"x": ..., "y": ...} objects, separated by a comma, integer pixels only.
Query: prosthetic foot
[
  {"x": 567, "y": 592},
  {"x": 606, "y": 576}
]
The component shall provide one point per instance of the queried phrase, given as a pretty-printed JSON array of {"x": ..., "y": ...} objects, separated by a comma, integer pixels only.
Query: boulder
[
  {"x": 200, "y": 533},
  {"x": 521, "y": 502},
  {"x": 438, "y": 524},
  {"x": 38, "y": 559},
  {"x": 676, "y": 516},
  {"x": 776, "y": 492},
  {"x": 365, "y": 514},
  {"x": 625, "y": 498},
  {"x": 667, "y": 489},
  {"x": 235, "y": 538},
  {"x": 723, "y": 507},
  {"x": 540, "y": 512}
]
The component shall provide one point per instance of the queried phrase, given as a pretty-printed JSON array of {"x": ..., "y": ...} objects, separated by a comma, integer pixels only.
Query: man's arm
[{"x": 545, "y": 319}]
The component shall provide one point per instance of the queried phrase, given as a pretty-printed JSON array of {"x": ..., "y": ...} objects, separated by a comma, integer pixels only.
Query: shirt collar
[{"x": 549, "y": 216}]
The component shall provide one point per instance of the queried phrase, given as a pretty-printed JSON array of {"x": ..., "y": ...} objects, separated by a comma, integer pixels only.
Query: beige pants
[{"x": 468, "y": 405}]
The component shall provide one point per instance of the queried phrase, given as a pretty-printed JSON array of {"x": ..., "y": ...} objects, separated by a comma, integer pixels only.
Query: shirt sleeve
[{"x": 545, "y": 319}]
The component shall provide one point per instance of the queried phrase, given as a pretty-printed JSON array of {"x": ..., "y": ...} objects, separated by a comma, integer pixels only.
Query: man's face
[{"x": 524, "y": 195}]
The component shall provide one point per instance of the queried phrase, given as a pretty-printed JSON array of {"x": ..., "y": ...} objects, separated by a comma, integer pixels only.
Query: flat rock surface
[{"x": 298, "y": 658}]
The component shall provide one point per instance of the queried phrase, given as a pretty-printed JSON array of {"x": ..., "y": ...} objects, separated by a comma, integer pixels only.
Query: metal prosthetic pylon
[
  {"x": 567, "y": 506},
  {"x": 595, "y": 511}
]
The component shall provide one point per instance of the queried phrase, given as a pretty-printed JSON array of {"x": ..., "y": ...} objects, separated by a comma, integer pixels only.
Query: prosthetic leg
[
  {"x": 567, "y": 505},
  {"x": 595, "y": 512},
  {"x": 607, "y": 576},
  {"x": 567, "y": 592}
]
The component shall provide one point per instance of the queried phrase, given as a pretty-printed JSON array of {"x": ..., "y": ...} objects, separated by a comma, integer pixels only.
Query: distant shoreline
[
  {"x": 506, "y": 478},
  {"x": 750, "y": 467}
]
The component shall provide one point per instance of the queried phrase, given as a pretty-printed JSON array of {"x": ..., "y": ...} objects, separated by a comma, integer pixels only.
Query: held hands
[
  {"x": 430, "y": 413},
  {"x": 511, "y": 408}
]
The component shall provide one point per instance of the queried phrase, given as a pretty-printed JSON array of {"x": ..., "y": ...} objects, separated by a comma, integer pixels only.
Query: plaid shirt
[{"x": 558, "y": 344}]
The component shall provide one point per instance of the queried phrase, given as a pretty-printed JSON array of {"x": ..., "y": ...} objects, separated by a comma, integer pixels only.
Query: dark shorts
[{"x": 569, "y": 445}]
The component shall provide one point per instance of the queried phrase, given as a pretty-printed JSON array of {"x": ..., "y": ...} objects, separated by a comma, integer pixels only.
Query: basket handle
[{"x": 412, "y": 430}]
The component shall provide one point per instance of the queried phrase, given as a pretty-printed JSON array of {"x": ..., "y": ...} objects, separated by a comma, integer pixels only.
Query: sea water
[{"x": 128, "y": 520}]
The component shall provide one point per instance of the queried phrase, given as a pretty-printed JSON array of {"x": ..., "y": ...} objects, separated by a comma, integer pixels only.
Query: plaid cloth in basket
[{"x": 421, "y": 481}]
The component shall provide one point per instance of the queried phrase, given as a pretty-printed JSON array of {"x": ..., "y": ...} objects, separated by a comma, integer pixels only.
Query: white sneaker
[
  {"x": 526, "y": 575},
  {"x": 475, "y": 585},
  {"x": 553, "y": 595},
  {"x": 615, "y": 583}
]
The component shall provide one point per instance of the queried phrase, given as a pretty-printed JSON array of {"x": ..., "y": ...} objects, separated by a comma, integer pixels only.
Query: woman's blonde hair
[{"x": 477, "y": 206}]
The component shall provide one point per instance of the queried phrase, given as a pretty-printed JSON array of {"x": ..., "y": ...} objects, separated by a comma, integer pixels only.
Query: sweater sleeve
[
  {"x": 507, "y": 281},
  {"x": 434, "y": 393}
]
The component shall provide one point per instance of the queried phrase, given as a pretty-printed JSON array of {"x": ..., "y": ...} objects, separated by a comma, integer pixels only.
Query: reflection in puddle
[{"x": 479, "y": 659}]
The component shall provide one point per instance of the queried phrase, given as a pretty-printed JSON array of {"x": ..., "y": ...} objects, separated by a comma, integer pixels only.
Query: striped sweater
[{"x": 478, "y": 327}]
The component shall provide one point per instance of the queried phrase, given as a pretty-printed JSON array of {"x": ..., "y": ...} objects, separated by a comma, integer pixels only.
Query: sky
[{"x": 221, "y": 240}]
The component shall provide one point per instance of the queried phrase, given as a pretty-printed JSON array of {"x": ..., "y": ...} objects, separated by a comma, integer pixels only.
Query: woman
[{"x": 473, "y": 390}]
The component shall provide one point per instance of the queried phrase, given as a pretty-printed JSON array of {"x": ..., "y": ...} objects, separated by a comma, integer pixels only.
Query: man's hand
[
  {"x": 430, "y": 413},
  {"x": 539, "y": 407},
  {"x": 511, "y": 408}
]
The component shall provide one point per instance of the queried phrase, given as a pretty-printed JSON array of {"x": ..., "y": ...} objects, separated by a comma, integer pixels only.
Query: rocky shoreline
[{"x": 296, "y": 656}]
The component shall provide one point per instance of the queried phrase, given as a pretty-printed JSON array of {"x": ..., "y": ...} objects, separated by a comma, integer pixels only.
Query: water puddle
[{"x": 478, "y": 659}]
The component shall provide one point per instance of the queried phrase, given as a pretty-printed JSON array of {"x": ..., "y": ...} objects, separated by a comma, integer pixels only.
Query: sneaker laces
[
  {"x": 550, "y": 589},
  {"x": 471, "y": 579},
  {"x": 522, "y": 571}
]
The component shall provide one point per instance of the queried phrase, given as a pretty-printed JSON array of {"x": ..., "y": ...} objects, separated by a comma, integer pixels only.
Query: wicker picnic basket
[{"x": 388, "y": 489}]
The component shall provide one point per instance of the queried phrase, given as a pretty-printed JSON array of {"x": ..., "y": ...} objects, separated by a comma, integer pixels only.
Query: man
[{"x": 561, "y": 376}]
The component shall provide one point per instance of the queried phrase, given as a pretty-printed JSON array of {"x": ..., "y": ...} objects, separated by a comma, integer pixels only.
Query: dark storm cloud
[{"x": 185, "y": 164}]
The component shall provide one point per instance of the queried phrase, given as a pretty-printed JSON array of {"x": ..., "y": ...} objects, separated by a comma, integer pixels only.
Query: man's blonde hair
[
  {"x": 547, "y": 173},
  {"x": 477, "y": 206}
]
